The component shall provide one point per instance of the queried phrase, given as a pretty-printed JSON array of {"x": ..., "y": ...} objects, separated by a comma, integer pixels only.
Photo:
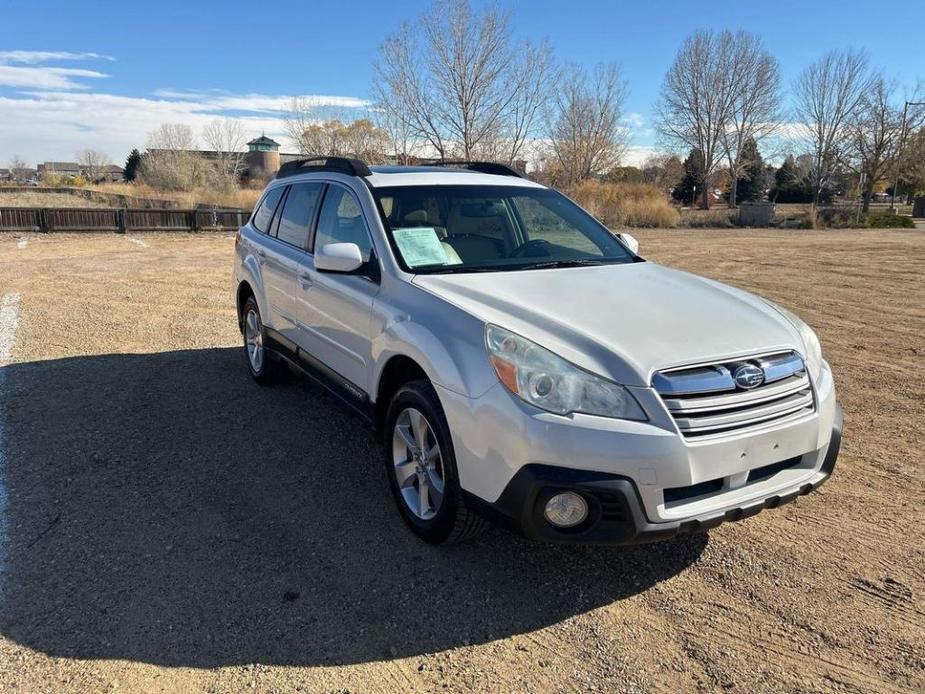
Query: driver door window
[{"x": 341, "y": 221}]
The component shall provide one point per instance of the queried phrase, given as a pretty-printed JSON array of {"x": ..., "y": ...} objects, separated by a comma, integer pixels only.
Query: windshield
[{"x": 473, "y": 228}]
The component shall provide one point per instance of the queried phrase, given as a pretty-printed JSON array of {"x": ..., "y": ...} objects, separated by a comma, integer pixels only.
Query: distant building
[
  {"x": 261, "y": 161},
  {"x": 6, "y": 175},
  {"x": 111, "y": 172},
  {"x": 262, "y": 158},
  {"x": 58, "y": 168}
]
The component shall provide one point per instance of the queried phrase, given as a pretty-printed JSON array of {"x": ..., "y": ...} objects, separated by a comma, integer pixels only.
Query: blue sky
[{"x": 115, "y": 70}]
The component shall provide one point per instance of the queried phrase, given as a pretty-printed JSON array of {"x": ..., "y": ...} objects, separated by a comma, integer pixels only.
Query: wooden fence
[{"x": 48, "y": 219}]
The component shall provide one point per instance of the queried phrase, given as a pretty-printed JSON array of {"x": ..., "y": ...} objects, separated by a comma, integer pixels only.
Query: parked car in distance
[{"x": 521, "y": 363}]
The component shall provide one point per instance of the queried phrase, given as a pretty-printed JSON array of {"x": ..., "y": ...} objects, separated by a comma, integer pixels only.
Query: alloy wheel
[
  {"x": 253, "y": 340},
  {"x": 418, "y": 464}
]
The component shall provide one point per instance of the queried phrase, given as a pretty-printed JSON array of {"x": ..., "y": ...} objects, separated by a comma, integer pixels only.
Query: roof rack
[
  {"x": 351, "y": 167},
  {"x": 486, "y": 167}
]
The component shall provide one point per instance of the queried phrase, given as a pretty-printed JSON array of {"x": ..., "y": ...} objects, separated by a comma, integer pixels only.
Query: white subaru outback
[{"x": 520, "y": 362}]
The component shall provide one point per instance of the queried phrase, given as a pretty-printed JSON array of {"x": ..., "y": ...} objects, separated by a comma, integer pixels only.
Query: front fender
[{"x": 456, "y": 360}]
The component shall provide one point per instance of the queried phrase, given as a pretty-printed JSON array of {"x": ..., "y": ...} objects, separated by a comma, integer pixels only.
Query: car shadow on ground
[{"x": 162, "y": 508}]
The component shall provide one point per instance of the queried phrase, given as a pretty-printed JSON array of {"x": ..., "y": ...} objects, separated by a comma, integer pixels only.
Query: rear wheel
[
  {"x": 421, "y": 466},
  {"x": 262, "y": 367}
]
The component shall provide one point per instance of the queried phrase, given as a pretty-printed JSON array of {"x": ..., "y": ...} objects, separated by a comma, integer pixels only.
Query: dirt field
[{"x": 169, "y": 526}]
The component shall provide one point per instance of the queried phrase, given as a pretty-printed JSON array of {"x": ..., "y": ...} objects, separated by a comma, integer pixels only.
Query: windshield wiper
[
  {"x": 573, "y": 262},
  {"x": 450, "y": 269}
]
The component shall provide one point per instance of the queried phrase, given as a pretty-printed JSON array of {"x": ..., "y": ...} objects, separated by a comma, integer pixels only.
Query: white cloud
[
  {"x": 52, "y": 125},
  {"x": 634, "y": 119},
  {"x": 45, "y": 77},
  {"x": 49, "y": 112},
  {"x": 34, "y": 57},
  {"x": 24, "y": 69},
  {"x": 636, "y": 155},
  {"x": 220, "y": 100}
]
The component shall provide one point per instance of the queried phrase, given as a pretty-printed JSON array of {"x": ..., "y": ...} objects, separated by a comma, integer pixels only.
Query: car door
[
  {"x": 285, "y": 260},
  {"x": 274, "y": 281},
  {"x": 335, "y": 310}
]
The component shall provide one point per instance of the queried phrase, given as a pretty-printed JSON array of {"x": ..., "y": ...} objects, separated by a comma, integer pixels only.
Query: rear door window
[
  {"x": 264, "y": 214},
  {"x": 298, "y": 212}
]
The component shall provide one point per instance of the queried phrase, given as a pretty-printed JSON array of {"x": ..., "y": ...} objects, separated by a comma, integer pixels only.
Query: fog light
[{"x": 566, "y": 510}]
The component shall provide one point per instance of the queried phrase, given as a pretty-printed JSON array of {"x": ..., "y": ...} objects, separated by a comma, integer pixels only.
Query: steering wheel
[{"x": 522, "y": 249}]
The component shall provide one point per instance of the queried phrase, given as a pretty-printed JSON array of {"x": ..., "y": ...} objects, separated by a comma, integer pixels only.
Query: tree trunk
[
  {"x": 868, "y": 194},
  {"x": 733, "y": 191}
]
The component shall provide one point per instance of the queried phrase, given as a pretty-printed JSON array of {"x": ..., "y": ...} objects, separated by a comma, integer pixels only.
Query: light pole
[{"x": 899, "y": 152}]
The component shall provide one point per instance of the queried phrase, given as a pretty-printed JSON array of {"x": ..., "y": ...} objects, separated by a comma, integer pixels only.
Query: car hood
[{"x": 623, "y": 321}]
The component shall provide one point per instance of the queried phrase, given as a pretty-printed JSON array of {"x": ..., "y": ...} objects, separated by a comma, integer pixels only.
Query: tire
[
  {"x": 450, "y": 521},
  {"x": 265, "y": 370}
]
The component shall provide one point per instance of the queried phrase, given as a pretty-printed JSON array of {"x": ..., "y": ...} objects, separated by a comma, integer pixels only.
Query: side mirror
[
  {"x": 630, "y": 241},
  {"x": 338, "y": 257}
]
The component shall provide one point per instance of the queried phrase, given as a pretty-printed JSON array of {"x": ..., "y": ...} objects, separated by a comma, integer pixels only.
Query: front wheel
[{"x": 421, "y": 466}]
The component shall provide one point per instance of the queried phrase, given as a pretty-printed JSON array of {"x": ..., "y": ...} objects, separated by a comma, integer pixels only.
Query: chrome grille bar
[{"x": 705, "y": 399}]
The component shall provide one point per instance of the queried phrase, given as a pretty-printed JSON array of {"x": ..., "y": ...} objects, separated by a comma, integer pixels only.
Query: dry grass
[
  {"x": 626, "y": 204},
  {"x": 44, "y": 199},
  {"x": 241, "y": 198}
]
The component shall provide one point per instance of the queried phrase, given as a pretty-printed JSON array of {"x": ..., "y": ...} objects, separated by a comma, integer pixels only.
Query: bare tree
[
  {"x": 698, "y": 96},
  {"x": 875, "y": 132},
  {"x": 363, "y": 139},
  {"x": 297, "y": 121},
  {"x": 401, "y": 137},
  {"x": 584, "y": 116},
  {"x": 754, "y": 112},
  {"x": 531, "y": 70},
  {"x": 458, "y": 82},
  {"x": 335, "y": 138},
  {"x": 17, "y": 166},
  {"x": 827, "y": 95},
  {"x": 93, "y": 163},
  {"x": 663, "y": 170},
  {"x": 226, "y": 138},
  {"x": 912, "y": 163},
  {"x": 172, "y": 161}
]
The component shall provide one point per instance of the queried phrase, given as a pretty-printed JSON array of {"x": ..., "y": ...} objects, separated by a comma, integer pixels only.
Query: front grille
[{"x": 705, "y": 400}]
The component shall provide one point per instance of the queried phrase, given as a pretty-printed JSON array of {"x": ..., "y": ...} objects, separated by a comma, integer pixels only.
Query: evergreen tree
[
  {"x": 694, "y": 177},
  {"x": 752, "y": 184},
  {"x": 130, "y": 172},
  {"x": 786, "y": 174},
  {"x": 790, "y": 185}
]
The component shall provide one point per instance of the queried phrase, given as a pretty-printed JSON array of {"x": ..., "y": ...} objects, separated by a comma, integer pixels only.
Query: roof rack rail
[
  {"x": 351, "y": 167},
  {"x": 486, "y": 167}
]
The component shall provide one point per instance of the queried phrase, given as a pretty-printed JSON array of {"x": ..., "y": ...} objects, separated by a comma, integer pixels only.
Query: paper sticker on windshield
[{"x": 420, "y": 246}]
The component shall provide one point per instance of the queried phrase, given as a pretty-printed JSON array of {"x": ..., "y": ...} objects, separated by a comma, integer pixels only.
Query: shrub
[
  {"x": 716, "y": 218},
  {"x": 619, "y": 205},
  {"x": 837, "y": 218},
  {"x": 887, "y": 220}
]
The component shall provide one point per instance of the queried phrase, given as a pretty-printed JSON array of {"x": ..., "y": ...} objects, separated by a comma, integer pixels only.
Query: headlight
[
  {"x": 810, "y": 342},
  {"x": 541, "y": 378}
]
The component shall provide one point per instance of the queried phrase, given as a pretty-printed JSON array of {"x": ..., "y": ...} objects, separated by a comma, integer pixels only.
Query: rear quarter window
[{"x": 264, "y": 213}]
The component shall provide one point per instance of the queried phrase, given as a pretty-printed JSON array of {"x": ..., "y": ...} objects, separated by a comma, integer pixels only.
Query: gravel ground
[{"x": 171, "y": 527}]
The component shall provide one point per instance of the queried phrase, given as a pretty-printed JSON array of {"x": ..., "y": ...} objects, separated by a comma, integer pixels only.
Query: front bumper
[{"x": 616, "y": 511}]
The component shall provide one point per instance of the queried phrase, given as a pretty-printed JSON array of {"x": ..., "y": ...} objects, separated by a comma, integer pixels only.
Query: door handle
[
  {"x": 305, "y": 281},
  {"x": 261, "y": 253}
]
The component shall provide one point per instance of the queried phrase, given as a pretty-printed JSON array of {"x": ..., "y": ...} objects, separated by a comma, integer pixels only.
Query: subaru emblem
[{"x": 748, "y": 376}]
